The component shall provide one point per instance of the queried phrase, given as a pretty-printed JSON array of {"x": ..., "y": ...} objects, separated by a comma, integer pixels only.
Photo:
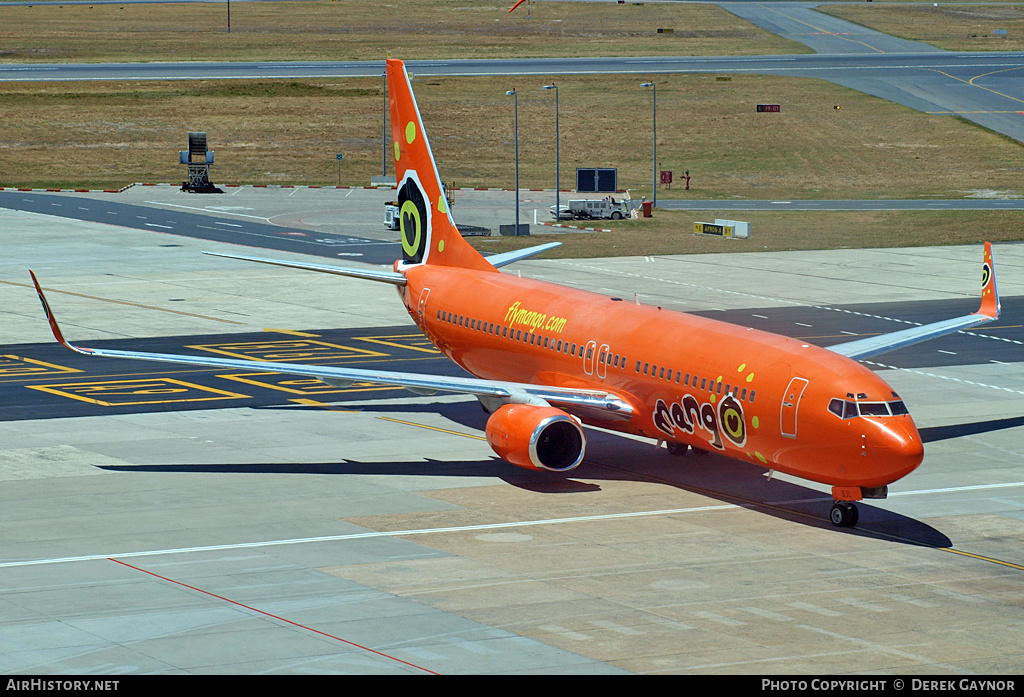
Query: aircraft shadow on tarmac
[
  {"x": 937, "y": 433},
  {"x": 610, "y": 457}
]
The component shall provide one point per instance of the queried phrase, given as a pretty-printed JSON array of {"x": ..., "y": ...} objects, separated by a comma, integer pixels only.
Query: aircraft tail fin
[{"x": 429, "y": 234}]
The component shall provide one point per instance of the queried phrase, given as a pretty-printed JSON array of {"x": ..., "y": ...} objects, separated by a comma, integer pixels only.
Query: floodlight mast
[
  {"x": 654, "y": 166},
  {"x": 515, "y": 98},
  {"x": 558, "y": 208}
]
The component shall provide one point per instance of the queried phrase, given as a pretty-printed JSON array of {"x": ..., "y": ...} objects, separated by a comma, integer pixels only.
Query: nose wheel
[{"x": 844, "y": 514}]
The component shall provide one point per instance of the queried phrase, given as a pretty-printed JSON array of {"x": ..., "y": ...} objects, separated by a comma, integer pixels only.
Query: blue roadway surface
[{"x": 205, "y": 227}]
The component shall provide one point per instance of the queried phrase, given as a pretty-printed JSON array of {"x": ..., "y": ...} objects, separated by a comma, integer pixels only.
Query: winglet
[
  {"x": 989, "y": 292},
  {"x": 57, "y": 334}
]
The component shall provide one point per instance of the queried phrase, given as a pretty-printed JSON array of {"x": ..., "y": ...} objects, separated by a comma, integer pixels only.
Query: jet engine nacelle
[{"x": 536, "y": 437}]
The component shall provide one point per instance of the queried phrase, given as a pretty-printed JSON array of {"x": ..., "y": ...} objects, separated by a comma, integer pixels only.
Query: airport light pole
[
  {"x": 515, "y": 98},
  {"x": 654, "y": 178},
  {"x": 558, "y": 208}
]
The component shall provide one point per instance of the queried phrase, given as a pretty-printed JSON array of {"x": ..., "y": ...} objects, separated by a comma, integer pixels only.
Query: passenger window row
[
  {"x": 663, "y": 373},
  {"x": 606, "y": 356},
  {"x": 557, "y": 345}
]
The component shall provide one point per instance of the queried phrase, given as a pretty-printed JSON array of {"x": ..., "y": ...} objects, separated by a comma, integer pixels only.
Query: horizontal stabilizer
[
  {"x": 391, "y": 277},
  {"x": 506, "y": 258}
]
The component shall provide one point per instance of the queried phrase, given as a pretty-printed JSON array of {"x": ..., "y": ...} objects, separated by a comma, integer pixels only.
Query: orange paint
[
  {"x": 547, "y": 358},
  {"x": 669, "y": 366}
]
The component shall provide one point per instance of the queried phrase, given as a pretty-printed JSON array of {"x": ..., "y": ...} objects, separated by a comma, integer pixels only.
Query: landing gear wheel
[
  {"x": 677, "y": 449},
  {"x": 844, "y": 514}
]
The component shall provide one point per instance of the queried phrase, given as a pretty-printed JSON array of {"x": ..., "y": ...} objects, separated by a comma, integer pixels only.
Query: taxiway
[{"x": 377, "y": 533}]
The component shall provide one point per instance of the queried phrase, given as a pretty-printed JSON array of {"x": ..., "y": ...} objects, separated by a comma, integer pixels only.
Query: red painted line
[{"x": 272, "y": 616}]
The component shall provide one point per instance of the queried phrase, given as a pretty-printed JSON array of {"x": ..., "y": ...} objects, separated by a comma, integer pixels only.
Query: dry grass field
[
  {"x": 951, "y": 26},
  {"x": 671, "y": 232},
  {"x": 107, "y": 135},
  {"x": 368, "y": 29},
  {"x": 110, "y": 134}
]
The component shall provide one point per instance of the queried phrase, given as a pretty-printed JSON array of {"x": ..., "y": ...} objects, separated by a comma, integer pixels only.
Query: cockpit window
[
  {"x": 873, "y": 408},
  {"x": 845, "y": 409}
]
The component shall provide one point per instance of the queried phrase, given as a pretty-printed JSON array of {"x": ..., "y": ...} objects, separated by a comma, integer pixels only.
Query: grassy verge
[
  {"x": 951, "y": 26},
  {"x": 671, "y": 232},
  {"x": 107, "y": 135},
  {"x": 367, "y": 29}
]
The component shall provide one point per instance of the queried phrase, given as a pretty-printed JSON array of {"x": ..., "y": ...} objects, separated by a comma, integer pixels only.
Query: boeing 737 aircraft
[{"x": 547, "y": 358}]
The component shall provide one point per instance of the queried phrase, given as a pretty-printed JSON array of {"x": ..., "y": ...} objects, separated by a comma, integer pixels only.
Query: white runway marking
[{"x": 461, "y": 528}]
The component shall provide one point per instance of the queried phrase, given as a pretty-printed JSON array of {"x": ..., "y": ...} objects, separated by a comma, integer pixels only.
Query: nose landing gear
[{"x": 844, "y": 514}]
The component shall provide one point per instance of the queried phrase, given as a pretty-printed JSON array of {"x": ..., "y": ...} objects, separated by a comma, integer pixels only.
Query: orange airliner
[{"x": 547, "y": 358}]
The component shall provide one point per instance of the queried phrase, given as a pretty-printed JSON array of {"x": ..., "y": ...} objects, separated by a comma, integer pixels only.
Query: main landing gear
[
  {"x": 680, "y": 449},
  {"x": 844, "y": 514}
]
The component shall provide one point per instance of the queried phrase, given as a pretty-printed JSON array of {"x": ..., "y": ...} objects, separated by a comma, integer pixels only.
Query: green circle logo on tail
[{"x": 414, "y": 216}]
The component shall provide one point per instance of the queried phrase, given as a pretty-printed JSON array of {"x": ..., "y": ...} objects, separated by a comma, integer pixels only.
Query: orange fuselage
[{"x": 747, "y": 394}]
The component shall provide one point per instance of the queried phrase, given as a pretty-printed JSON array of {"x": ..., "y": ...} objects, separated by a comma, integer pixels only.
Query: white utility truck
[{"x": 607, "y": 207}]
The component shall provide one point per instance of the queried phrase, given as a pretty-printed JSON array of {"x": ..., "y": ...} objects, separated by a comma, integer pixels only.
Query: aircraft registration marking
[
  {"x": 288, "y": 350},
  {"x": 302, "y": 385},
  {"x": 21, "y": 366},
  {"x": 117, "y": 393}
]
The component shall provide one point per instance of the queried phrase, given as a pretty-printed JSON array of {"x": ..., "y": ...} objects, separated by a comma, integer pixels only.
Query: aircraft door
[
  {"x": 602, "y": 360},
  {"x": 423, "y": 301},
  {"x": 790, "y": 405},
  {"x": 589, "y": 357}
]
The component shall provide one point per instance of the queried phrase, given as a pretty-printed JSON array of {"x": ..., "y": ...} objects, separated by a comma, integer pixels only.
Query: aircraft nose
[{"x": 897, "y": 446}]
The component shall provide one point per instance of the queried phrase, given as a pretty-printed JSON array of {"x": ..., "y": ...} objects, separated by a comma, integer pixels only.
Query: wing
[
  {"x": 595, "y": 403},
  {"x": 989, "y": 311}
]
